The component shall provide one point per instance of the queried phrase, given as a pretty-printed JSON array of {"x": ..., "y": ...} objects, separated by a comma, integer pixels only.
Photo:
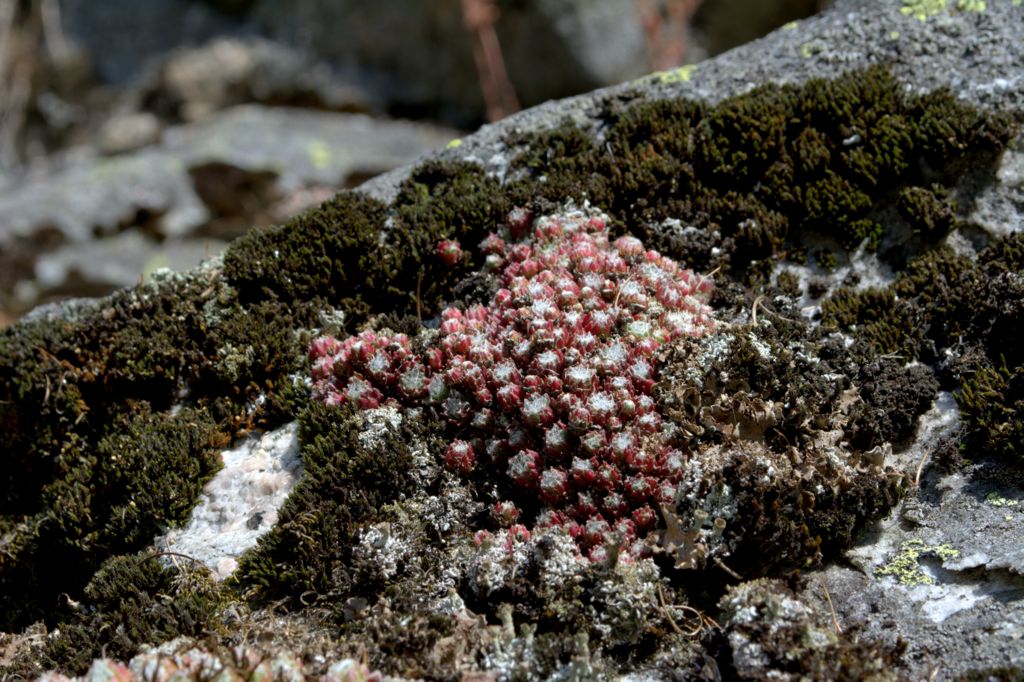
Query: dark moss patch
[
  {"x": 364, "y": 258},
  {"x": 961, "y": 315},
  {"x": 113, "y": 497},
  {"x": 762, "y": 367},
  {"x": 893, "y": 396},
  {"x": 929, "y": 212},
  {"x": 96, "y": 461},
  {"x": 992, "y": 402},
  {"x": 760, "y": 169},
  {"x": 789, "y": 284},
  {"x": 343, "y": 487},
  {"x": 882, "y": 324},
  {"x": 1006, "y": 673},
  {"x": 940, "y": 299},
  {"x": 249, "y": 358},
  {"x": 777, "y": 491},
  {"x": 322, "y": 253},
  {"x": 131, "y": 601},
  {"x": 826, "y": 260},
  {"x": 796, "y": 520}
]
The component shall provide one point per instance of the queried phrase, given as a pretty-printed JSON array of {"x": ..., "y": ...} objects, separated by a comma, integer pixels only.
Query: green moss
[
  {"x": 761, "y": 168},
  {"x": 682, "y": 74},
  {"x": 1004, "y": 255},
  {"x": 329, "y": 252},
  {"x": 131, "y": 601},
  {"x": 355, "y": 255},
  {"x": 922, "y": 10},
  {"x": 876, "y": 317},
  {"x": 940, "y": 297},
  {"x": 997, "y": 500},
  {"x": 113, "y": 497},
  {"x": 1004, "y": 673},
  {"x": 789, "y": 284},
  {"x": 250, "y": 356},
  {"x": 37, "y": 406},
  {"x": 992, "y": 404},
  {"x": 97, "y": 462},
  {"x": 344, "y": 486},
  {"x": 944, "y": 304},
  {"x": 439, "y": 201},
  {"x": 930, "y": 212},
  {"x": 826, "y": 260}
]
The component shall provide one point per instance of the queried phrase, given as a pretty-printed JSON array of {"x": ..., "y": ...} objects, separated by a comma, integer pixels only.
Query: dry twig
[
  {"x": 665, "y": 24},
  {"x": 832, "y": 608},
  {"x": 480, "y": 18},
  {"x": 16, "y": 66}
]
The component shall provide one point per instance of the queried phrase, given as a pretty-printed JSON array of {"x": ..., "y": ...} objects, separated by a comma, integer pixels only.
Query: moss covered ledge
[{"x": 112, "y": 419}]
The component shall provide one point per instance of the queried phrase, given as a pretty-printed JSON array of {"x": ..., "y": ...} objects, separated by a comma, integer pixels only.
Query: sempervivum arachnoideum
[{"x": 552, "y": 379}]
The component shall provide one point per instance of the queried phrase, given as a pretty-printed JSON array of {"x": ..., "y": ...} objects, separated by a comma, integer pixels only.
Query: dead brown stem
[
  {"x": 480, "y": 18},
  {"x": 665, "y": 26}
]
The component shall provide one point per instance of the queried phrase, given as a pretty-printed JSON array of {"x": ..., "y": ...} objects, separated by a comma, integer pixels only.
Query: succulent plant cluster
[
  {"x": 549, "y": 385},
  {"x": 178, "y": 660}
]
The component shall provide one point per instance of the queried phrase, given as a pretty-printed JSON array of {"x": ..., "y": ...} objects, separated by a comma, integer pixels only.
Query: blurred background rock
[{"x": 143, "y": 134}]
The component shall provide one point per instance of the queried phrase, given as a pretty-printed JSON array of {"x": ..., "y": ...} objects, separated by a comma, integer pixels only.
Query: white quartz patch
[
  {"x": 240, "y": 503},
  {"x": 997, "y": 207},
  {"x": 941, "y": 420},
  {"x": 869, "y": 269},
  {"x": 940, "y": 601}
]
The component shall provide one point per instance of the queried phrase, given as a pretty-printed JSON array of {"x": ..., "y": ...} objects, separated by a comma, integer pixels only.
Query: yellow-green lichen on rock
[
  {"x": 682, "y": 74},
  {"x": 905, "y": 565},
  {"x": 922, "y": 10}
]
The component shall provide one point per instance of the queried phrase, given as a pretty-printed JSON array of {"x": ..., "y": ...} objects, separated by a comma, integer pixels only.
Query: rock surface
[
  {"x": 795, "y": 451},
  {"x": 423, "y": 55},
  {"x": 400, "y": 55},
  {"x": 104, "y": 222}
]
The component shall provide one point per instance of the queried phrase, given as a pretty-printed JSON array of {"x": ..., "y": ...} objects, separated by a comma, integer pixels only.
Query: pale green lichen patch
[
  {"x": 319, "y": 154},
  {"x": 905, "y": 566},
  {"x": 683, "y": 74},
  {"x": 808, "y": 50},
  {"x": 922, "y": 10},
  {"x": 996, "y": 500}
]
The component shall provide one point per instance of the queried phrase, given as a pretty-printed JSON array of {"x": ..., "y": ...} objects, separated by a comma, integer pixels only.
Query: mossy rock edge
[{"x": 101, "y": 408}]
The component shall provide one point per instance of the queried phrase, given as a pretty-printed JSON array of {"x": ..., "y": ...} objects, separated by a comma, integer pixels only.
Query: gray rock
[
  {"x": 944, "y": 566},
  {"x": 420, "y": 55},
  {"x": 404, "y": 54},
  {"x": 244, "y": 166},
  {"x": 720, "y": 25},
  {"x": 192, "y": 83},
  {"x": 123, "y": 36},
  {"x": 127, "y": 132},
  {"x": 241, "y": 502},
  {"x": 103, "y": 265}
]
